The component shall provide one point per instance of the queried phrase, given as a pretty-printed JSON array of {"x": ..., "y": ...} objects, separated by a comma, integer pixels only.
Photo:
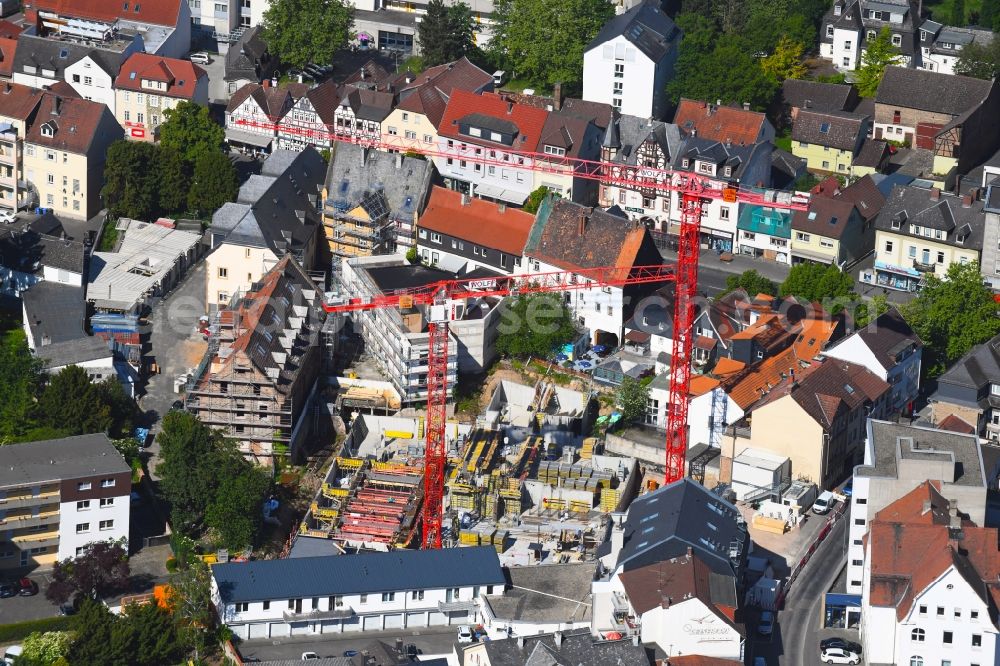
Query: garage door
[
  {"x": 438, "y": 619},
  {"x": 300, "y": 628},
  {"x": 372, "y": 622},
  {"x": 258, "y": 630},
  {"x": 329, "y": 627},
  {"x": 279, "y": 629},
  {"x": 460, "y": 617},
  {"x": 394, "y": 621},
  {"x": 352, "y": 624},
  {"x": 243, "y": 631},
  {"x": 416, "y": 619}
]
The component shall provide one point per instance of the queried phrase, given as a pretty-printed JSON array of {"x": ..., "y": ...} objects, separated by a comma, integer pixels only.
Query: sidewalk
[{"x": 708, "y": 259}]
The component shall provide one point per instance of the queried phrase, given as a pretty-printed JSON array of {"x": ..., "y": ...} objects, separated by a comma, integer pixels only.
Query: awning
[
  {"x": 497, "y": 192},
  {"x": 812, "y": 256},
  {"x": 902, "y": 270},
  {"x": 638, "y": 337},
  {"x": 847, "y": 600},
  {"x": 249, "y": 138}
]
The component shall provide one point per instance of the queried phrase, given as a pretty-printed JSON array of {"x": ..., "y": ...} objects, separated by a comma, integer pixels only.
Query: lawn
[{"x": 784, "y": 141}]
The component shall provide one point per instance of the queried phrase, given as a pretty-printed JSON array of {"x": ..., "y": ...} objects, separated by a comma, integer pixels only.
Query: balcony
[
  {"x": 39, "y": 540},
  {"x": 340, "y": 613},
  {"x": 20, "y": 501},
  {"x": 27, "y": 520},
  {"x": 457, "y": 606},
  {"x": 924, "y": 267}
]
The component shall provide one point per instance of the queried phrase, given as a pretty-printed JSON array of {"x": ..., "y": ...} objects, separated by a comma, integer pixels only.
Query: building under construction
[{"x": 262, "y": 364}]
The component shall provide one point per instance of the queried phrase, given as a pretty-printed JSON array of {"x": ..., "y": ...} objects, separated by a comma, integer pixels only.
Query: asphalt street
[{"x": 437, "y": 640}]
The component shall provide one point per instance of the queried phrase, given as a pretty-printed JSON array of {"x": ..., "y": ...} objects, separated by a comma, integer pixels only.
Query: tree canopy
[
  {"x": 302, "y": 32},
  {"x": 534, "y": 325},
  {"x": 208, "y": 483},
  {"x": 951, "y": 316},
  {"x": 752, "y": 282},
  {"x": 189, "y": 129},
  {"x": 879, "y": 54},
  {"x": 213, "y": 182},
  {"x": 786, "y": 61},
  {"x": 145, "y": 634},
  {"x": 817, "y": 282},
  {"x": 535, "y": 199},
  {"x": 981, "y": 61},
  {"x": 542, "y": 41},
  {"x": 632, "y": 397},
  {"x": 101, "y": 570},
  {"x": 446, "y": 33}
]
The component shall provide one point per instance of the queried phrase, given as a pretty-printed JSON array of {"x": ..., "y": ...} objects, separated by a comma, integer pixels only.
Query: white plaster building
[
  {"x": 402, "y": 589},
  {"x": 630, "y": 62}
]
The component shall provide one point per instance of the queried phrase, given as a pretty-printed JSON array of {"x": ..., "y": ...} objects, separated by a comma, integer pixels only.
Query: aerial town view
[{"x": 499, "y": 332}]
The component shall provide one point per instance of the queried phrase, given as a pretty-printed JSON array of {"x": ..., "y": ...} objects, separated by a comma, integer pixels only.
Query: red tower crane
[{"x": 693, "y": 189}]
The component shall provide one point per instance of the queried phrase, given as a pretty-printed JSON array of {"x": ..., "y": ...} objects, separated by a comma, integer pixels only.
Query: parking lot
[{"x": 429, "y": 641}]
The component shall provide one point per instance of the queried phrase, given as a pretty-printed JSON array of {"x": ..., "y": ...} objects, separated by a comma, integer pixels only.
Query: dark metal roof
[
  {"x": 357, "y": 574},
  {"x": 961, "y": 225},
  {"x": 802, "y": 94},
  {"x": 835, "y": 129},
  {"x": 646, "y": 26},
  {"x": 577, "y": 648},
  {"x": 54, "y": 312},
  {"x": 950, "y": 94},
  {"x": 55, "y": 459}
]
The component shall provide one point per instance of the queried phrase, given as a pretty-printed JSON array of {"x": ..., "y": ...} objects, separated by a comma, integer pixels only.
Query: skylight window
[
  {"x": 849, "y": 389},
  {"x": 824, "y": 128},
  {"x": 812, "y": 215},
  {"x": 131, "y": 76},
  {"x": 63, "y": 53},
  {"x": 652, "y": 516}
]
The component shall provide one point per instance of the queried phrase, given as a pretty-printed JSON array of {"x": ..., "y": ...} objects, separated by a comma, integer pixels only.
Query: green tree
[
  {"x": 186, "y": 471},
  {"x": 20, "y": 380},
  {"x": 214, "y": 182},
  {"x": 93, "y": 627},
  {"x": 868, "y": 311},
  {"x": 300, "y": 32},
  {"x": 191, "y": 604},
  {"x": 816, "y": 282},
  {"x": 101, "y": 570},
  {"x": 121, "y": 408},
  {"x": 989, "y": 15},
  {"x": 45, "y": 648},
  {"x": 172, "y": 179},
  {"x": 188, "y": 128},
  {"x": 130, "y": 180},
  {"x": 951, "y": 316},
  {"x": 786, "y": 61},
  {"x": 152, "y": 633},
  {"x": 958, "y": 13},
  {"x": 71, "y": 403},
  {"x": 728, "y": 72},
  {"x": 235, "y": 510},
  {"x": 446, "y": 33},
  {"x": 751, "y": 282},
  {"x": 534, "y": 325},
  {"x": 535, "y": 199},
  {"x": 543, "y": 40},
  {"x": 632, "y": 397},
  {"x": 980, "y": 60},
  {"x": 128, "y": 447},
  {"x": 879, "y": 54}
]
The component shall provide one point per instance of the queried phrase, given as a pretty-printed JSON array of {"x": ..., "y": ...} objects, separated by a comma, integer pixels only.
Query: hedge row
[{"x": 11, "y": 633}]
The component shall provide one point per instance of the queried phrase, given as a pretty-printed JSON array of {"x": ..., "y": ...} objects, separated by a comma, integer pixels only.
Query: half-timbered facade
[
  {"x": 311, "y": 119},
  {"x": 360, "y": 114},
  {"x": 637, "y": 149},
  {"x": 253, "y": 114}
]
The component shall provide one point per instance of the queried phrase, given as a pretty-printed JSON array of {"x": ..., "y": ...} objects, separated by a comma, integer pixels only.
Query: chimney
[
  {"x": 501, "y": 208},
  {"x": 935, "y": 194},
  {"x": 694, "y": 131},
  {"x": 718, "y": 102},
  {"x": 967, "y": 201},
  {"x": 266, "y": 84},
  {"x": 274, "y": 82},
  {"x": 635, "y": 640},
  {"x": 510, "y": 108},
  {"x": 558, "y": 638},
  {"x": 746, "y": 106},
  {"x": 466, "y": 199},
  {"x": 583, "y": 223},
  {"x": 7, "y": 88},
  {"x": 399, "y": 645},
  {"x": 56, "y": 105},
  {"x": 363, "y": 74},
  {"x": 557, "y": 93},
  {"x": 520, "y": 642}
]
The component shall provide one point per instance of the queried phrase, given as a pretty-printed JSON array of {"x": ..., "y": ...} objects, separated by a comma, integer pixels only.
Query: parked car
[
  {"x": 841, "y": 643},
  {"x": 6, "y": 217},
  {"x": 759, "y": 661},
  {"x": 839, "y": 656},
  {"x": 309, "y": 656},
  {"x": 11, "y": 654},
  {"x": 848, "y": 488},
  {"x": 350, "y": 653},
  {"x": 201, "y": 58},
  {"x": 67, "y": 609},
  {"x": 465, "y": 634},
  {"x": 766, "y": 626},
  {"x": 824, "y": 503},
  {"x": 7, "y": 590},
  {"x": 27, "y": 587}
]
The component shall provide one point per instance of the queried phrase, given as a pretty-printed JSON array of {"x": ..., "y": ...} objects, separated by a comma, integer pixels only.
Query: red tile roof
[
  {"x": 76, "y": 121},
  {"x": 953, "y": 423},
  {"x": 528, "y": 120},
  {"x": 18, "y": 101},
  {"x": 156, "y": 12},
  {"x": 181, "y": 76},
  {"x": 719, "y": 123},
  {"x": 10, "y": 30},
  {"x": 479, "y": 221}
]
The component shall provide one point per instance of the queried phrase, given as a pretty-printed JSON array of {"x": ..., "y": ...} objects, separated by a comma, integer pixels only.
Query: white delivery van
[{"x": 824, "y": 503}]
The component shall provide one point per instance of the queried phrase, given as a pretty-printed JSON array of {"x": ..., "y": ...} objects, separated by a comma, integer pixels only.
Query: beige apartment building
[
  {"x": 17, "y": 107},
  {"x": 64, "y": 153},
  {"x": 148, "y": 85}
]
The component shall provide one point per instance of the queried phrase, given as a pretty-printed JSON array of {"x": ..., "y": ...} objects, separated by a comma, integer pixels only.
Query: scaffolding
[{"x": 370, "y": 233}]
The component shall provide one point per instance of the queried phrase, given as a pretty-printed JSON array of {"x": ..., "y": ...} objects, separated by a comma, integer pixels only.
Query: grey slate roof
[
  {"x": 266, "y": 211},
  {"x": 55, "y": 312},
  {"x": 55, "y": 459},
  {"x": 980, "y": 366},
  {"x": 950, "y": 94},
  {"x": 357, "y": 574},
  {"x": 817, "y": 96},
  {"x": 679, "y": 515},
  {"x": 646, "y": 26},
  {"x": 73, "y": 352},
  {"x": 891, "y": 445},
  {"x": 39, "y": 52},
  {"x": 907, "y": 205},
  {"x": 627, "y": 133},
  {"x": 785, "y": 168},
  {"x": 578, "y": 648},
  {"x": 36, "y": 239},
  {"x": 837, "y": 129},
  {"x": 245, "y": 58},
  {"x": 356, "y": 172},
  {"x": 872, "y": 153},
  {"x": 720, "y": 154},
  {"x": 888, "y": 337}
]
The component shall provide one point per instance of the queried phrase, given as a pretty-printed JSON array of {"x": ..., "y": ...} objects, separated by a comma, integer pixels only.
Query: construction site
[{"x": 522, "y": 480}]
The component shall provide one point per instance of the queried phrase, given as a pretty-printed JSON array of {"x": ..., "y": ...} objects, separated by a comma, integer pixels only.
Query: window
[
  {"x": 392, "y": 131},
  {"x": 913, "y": 252},
  {"x": 554, "y": 150},
  {"x": 918, "y": 635},
  {"x": 417, "y": 595},
  {"x": 826, "y": 164},
  {"x": 107, "y": 501},
  {"x": 977, "y": 640},
  {"x": 916, "y": 661},
  {"x": 829, "y": 31},
  {"x": 847, "y": 46},
  {"x": 88, "y": 81},
  {"x": 336, "y": 602},
  {"x": 388, "y": 596},
  {"x": 947, "y": 638},
  {"x": 723, "y": 213},
  {"x": 857, "y": 563},
  {"x": 619, "y": 71},
  {"x": 107, "y": 524},
  {"x": 364, "y": 598},
  {"x": 291, "y": 604},
  {"x": 973, "y": 615},
  {"x": 940, "y": 257},
  {"x": 83, "y": 485},
  {"x": 315, "y": 603},
  {"x": 824, "y": 242},
  {"x": 940, "y": 611},
  {"x": 107, "y": 483},
  {"x": 923, "y": 610},
  {"x": 410, "y": 135},
  {"x": 266, "y": 605},
  {"x": 897, "y": 40},
  {"x": 888, "y": 246},
  {"x": 859, "y": 521},
  {"x": 802, "y": 237},
  {"x": 83, "y": 505},
  {"x": 81, "y": 528},
  {"x": 475, "y": 131},
  {"x": 242, "y": 607},
  {"x": 428, "y": 138},
  {"x": 435, "y": 238},
  {"x": 406, "y": 117}
]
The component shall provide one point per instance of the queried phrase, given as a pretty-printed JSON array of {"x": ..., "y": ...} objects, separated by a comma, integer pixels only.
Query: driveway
[{"x": 436, "y": 640}]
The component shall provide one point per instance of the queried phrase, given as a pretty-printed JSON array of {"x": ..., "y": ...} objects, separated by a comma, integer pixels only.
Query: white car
[
  {"x": 465, "y": 634},
  {"x": 839, "y": 656},
  {"x": 6, "y": 217},
  {"x": 309, "y": 656},
  {"x": 766, "y": 625},
  {"x": 11, "y": 654},
  {"x": 200, "y": 58}
]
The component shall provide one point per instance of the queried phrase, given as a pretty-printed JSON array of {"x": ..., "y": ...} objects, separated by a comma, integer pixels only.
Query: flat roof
[
  {"x": 547, "y": 593},
  {"x": 56, "y": 459},
  {"x": 147, "y": 254},
  {"x": 892, "y": 442},
  {"x": 760, "y": 458}
]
